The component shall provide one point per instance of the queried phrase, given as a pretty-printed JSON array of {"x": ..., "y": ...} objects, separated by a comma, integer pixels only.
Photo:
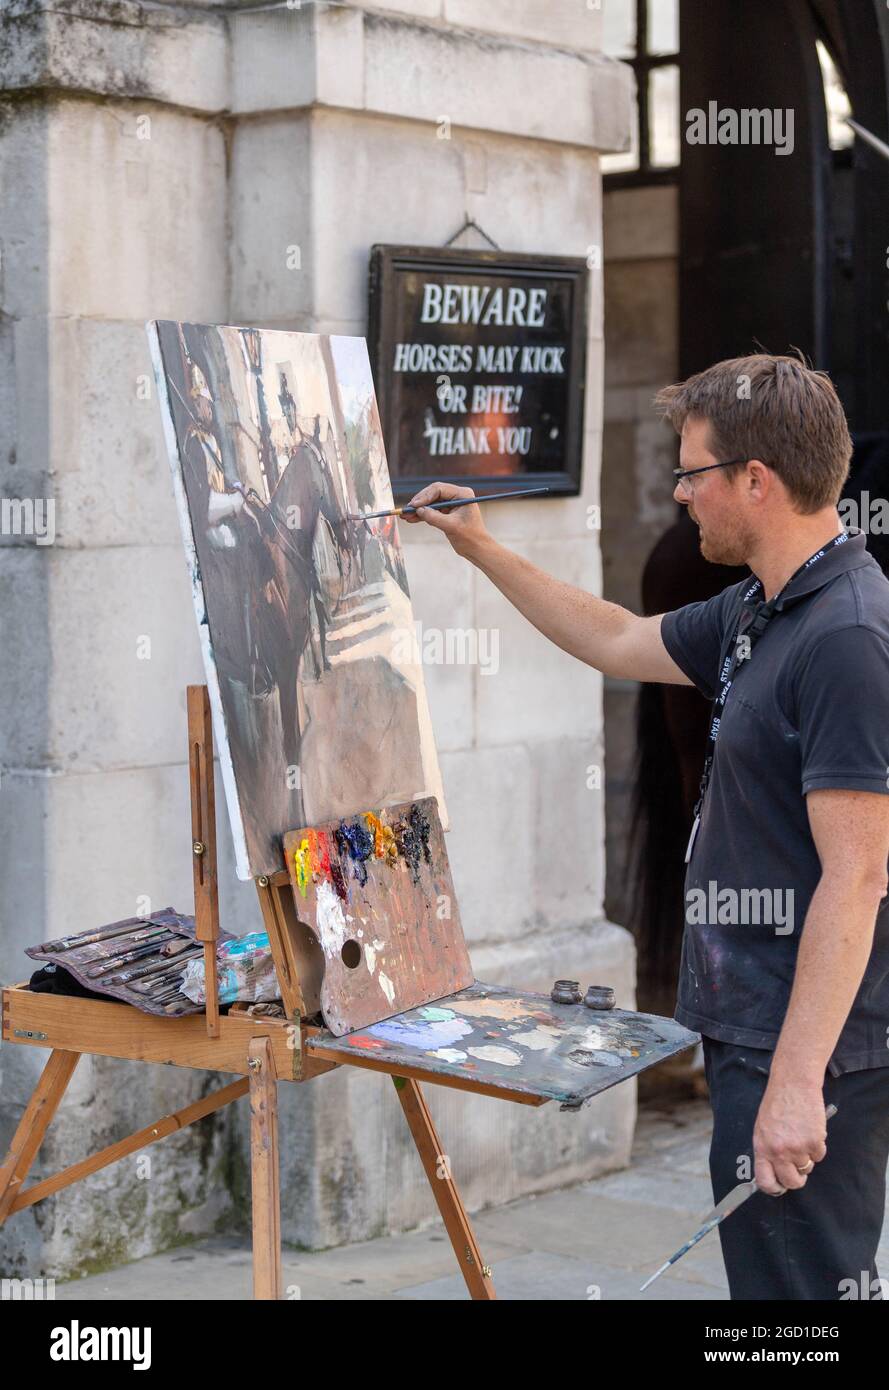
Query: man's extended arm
[{"x": 614, "y": 640}]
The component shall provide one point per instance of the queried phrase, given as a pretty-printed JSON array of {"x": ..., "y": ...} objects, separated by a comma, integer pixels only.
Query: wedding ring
[{"x": 808, "y": 1168}]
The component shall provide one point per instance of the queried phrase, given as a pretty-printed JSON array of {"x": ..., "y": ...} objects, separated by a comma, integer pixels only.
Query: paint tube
[{"x": 245, "y": 969}]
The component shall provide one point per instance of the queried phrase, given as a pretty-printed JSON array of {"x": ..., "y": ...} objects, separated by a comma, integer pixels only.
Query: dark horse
[
  {"x": 671, "y": 731},
  {"x": 296, "y": 601}
]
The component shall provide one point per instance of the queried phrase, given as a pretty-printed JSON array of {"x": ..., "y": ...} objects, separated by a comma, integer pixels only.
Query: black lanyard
[{"x": 752, "y": 622}]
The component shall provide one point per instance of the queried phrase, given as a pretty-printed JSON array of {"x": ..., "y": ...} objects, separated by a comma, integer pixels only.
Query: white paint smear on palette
[
  {"x": 449, "y": 1054},
  {"x": 595, "y": 1037},
  {"x": 597, "y": 1040},
  {"x": 504, "y": 1056},
  {"x": 539, "y": 1039},
  {"x": 331, "y": 919},
  {"x": 370, "y": 953}
]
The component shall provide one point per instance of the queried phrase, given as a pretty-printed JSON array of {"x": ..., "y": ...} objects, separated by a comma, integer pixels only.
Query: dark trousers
[{"x": 820, "y": 1241}]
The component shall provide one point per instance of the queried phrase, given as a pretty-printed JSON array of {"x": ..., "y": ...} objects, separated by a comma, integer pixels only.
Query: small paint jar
[
  {"x": 599, "y": 997},
  {"x": 565, "y": 992}
]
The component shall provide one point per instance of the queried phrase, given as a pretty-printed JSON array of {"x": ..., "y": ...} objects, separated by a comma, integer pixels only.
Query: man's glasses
[{"x": 680, "y": 474}]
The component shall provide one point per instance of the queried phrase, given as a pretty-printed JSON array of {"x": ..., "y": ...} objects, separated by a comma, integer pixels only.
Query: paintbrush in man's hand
[
  {"x": 446, "y": 504},
  {"x": 730, "y": 1202}
]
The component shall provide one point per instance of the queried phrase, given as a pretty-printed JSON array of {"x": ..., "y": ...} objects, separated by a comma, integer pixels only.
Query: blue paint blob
[
  {"x": 355, "y": 842},
  {"x": 425, "y": 1035}
]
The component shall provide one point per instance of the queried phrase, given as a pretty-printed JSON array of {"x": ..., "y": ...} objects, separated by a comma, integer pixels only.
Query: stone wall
[{"x": 162, "y": 161}]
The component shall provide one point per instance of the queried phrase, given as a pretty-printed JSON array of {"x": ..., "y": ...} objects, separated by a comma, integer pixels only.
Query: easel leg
[
  {"x": 476, "y": 1273},
  {"x": 151, "y": 1134},
  {"x": 33, "y": 1125},
  {"x": 264, "y": 1172}
]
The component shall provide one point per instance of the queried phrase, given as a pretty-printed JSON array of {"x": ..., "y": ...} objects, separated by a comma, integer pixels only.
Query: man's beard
[{"x": 731, "y": 545}]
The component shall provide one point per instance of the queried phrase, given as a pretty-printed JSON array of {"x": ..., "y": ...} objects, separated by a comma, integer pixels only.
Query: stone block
[
  {"x": 430, "y": 74},
  {"x": 560, "y": 23},
  {"x": 443, "y": 608},
  {"x": 274, "y": 58},
  {"x": 101, "y": 688},
  {"x": 641, "y": 317},
  {"x": 87, "y": 432},
  {"x": 491, "y": 844},
  {"x": 124, "y": 50},
  {"x": 539, "y": 691},
  {"x": 24, "y": 219},
  {"x": 273, "y": 247},
  {"x": 146, "y": 237},
  {"x": 641, "y": 224},
  {"x": 118, "y": 844},
  {"x": 569, "y": 820}
]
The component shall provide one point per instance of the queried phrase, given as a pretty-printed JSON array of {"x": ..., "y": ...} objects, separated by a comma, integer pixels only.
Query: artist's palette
[
  {"x": 375, "y": 889},
  {"x": 512, "y": 1044}
]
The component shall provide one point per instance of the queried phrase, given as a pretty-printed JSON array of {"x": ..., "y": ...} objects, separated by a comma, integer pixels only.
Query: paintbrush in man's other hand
[
  {"x": 730, "y": 1202},
  {"x": 446, "y": 502}
]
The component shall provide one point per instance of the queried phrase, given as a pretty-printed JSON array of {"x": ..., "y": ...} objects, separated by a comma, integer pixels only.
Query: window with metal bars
[{"x": 645, "y": 34}]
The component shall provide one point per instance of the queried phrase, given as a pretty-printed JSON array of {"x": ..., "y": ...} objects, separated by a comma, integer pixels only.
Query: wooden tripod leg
[
  {"x": 33, "y": 1125},
  {"x": 132, "y": 1144},
  {"x": 264, "y": 1171},
  {"x": 438, "y": 1170}
]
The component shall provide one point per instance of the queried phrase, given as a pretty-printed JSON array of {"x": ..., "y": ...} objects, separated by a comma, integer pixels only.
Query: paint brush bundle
[
  {"x": 141, "y": 961},
  {"x": 375, "y": 889}
]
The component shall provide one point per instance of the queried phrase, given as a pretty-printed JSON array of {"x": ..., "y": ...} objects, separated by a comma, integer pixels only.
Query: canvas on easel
[{"x": 305, "y": 617}]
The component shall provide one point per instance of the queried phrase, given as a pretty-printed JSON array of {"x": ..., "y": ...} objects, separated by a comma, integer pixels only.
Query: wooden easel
[{"x": 261, "y": 1051}]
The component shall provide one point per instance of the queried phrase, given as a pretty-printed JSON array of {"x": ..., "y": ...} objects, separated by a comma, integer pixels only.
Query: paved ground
[{"x": 608, "y": 1234}]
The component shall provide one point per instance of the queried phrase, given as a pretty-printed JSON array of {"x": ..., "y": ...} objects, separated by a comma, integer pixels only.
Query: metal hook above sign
[{"x": 470, "y": 222}]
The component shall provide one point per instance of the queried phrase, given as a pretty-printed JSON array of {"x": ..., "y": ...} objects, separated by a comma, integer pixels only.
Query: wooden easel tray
[
  {"x": 109, "y": 1029},
  {"x": 510, "y": 1043}
]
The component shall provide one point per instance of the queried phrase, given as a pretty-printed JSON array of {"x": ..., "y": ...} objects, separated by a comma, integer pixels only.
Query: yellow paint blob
[
  {"x": 385, "y": 845},
  {"x": 302, "y": 859}
]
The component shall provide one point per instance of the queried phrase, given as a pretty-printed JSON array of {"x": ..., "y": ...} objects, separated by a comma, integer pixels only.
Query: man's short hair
[{"x": 777, "y": 409}]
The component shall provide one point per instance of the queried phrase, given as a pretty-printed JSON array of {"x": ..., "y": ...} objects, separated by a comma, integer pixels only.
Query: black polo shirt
[{"x": 808, "y": 709}]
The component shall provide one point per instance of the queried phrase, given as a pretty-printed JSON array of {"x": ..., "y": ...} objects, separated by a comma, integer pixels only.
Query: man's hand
[
  {"x": 789, "y": 1136},
  {"x": 464, "y": 527}
]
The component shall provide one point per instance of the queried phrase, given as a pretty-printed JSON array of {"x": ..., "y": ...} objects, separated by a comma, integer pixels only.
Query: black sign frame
[{"x": 386, "y": 263}]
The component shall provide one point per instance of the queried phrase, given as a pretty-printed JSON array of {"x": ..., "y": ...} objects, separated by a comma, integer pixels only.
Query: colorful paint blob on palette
[{"x": 338, "y": 855}]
